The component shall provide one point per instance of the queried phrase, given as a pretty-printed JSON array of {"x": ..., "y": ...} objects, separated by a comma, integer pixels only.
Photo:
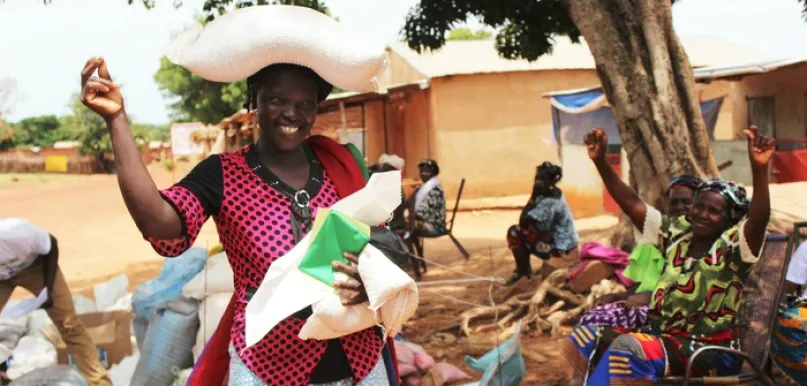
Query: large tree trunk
[{"x": 648, "y": 81}]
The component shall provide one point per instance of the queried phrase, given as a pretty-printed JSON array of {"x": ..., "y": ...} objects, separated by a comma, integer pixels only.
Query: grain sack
[
  {"x": 121, "y": 373},
  {"x": 215, "y": 278},
  {"x": 168, "y": 343},
  {"x": 31, "y": 353},
  {"x": 175, "y": 274},
  {"x": 242, "y": 42},
  {"x": 210, "y": 311}
]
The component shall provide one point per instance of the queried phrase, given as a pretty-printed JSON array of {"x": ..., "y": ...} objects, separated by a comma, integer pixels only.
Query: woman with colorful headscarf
[
  {"x": 546, "y": 225},
  {"x": 263, "y": 199},
  {"x": 698, "y": 296},
  {"x": 628, "y": 309}
]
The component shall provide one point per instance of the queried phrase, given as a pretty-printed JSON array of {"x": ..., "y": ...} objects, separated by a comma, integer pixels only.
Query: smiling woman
[
  {"x": 263, "y": 199},
  {"x": 696, "y": 301}
]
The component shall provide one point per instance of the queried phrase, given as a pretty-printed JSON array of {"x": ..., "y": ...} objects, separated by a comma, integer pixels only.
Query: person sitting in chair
[
  {"x": 629, "y": 309},
  {"x": 427, "y": 208},
  {"x": 697, "y": 300},
  {"x": 546, "y": 225}
]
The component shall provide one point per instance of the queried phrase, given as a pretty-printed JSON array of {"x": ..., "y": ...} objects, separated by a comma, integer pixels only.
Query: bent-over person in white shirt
[{"x": 29, "y": 259}]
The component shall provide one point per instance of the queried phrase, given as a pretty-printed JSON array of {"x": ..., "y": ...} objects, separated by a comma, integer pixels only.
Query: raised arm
[
  {"x": 596, "y": 142},
  {"x": 760, "y": 151},
  {"x": 153, "y": 216}
]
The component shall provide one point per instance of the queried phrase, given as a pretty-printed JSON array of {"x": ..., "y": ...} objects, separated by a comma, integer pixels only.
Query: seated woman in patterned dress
[
  {"x": 628, "y": 309},
  {"x": 698, "y": 297},
  {"x": 427, "y": 207},
  {"x": 546, "y": 225},
  {"x": 263, "y": 199}
]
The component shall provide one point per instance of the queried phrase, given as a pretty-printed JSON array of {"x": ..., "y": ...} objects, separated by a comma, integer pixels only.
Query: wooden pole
[{"x": 343, "y": 115}]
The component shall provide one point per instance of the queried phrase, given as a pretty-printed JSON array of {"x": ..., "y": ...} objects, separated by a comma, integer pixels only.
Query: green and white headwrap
[{"x": 734, "y": 194}]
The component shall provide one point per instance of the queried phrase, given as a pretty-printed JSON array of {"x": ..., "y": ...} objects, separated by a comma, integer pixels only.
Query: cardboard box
[{"x": 110, "y": 331}]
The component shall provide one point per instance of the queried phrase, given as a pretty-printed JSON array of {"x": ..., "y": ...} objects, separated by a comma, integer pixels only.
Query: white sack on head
[{"x": 244, "y": 41}]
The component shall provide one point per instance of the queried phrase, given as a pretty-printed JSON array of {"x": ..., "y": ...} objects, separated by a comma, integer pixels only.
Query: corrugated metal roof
[
  {"x": 748, "y": 68},
  {"x": 716, "y": 72},
  {"x": 480, "y": 56}
]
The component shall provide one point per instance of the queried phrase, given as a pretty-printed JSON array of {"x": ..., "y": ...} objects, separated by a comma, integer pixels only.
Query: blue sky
[{"x": 44, "y": 47}]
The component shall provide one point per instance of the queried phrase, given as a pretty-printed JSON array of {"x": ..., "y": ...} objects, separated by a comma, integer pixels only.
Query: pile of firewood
[{"x": 544, "y": 310}]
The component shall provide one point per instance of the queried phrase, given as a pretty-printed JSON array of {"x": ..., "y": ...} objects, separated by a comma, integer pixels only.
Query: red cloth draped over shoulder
[{"x": 214, "y": 362}]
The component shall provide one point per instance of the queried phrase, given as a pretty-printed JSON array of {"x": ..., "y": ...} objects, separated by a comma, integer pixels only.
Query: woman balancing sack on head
[
  {"x": 628, "y": 309},
  {"x": 251, "y": 195},
  {"x": 698, "y": 296}
]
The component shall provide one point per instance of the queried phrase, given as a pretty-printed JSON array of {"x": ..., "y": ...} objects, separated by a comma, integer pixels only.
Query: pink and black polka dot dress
[{"x": 253, "y": 218}]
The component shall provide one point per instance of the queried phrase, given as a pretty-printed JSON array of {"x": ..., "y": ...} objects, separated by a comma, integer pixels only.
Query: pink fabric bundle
[{"x": 591, "y": 251}]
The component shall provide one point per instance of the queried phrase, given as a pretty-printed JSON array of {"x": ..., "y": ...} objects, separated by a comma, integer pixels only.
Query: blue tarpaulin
[{"x": 575, "y": 114}]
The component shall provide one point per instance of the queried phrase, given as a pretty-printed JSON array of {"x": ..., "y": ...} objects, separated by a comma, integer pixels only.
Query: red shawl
[{"x": 212, "y": 367}]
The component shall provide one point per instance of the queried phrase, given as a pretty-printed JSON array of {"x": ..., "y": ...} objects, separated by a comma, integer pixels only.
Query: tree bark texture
[{"x": 647, "y": 78}]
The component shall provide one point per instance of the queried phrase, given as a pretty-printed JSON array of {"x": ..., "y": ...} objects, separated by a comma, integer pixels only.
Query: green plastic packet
[{"x": 332, "y": 235}]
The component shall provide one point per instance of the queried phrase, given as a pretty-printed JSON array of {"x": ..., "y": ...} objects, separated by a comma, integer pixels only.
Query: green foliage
[
  {"x": 467, "y": 34},
  {"x": 196, "y": 99},
  {"x": 525, "y": 28},
  {"x": 213, "y": 8},
  {"x": 40, "y": 131},
  {"x": 151, "y": 132},
  {"x": 81, "y": 125},
  {"x": 6, "y": 136},
  {"x": 88, "y": 128},
  {"x": 168, "y": 164}
]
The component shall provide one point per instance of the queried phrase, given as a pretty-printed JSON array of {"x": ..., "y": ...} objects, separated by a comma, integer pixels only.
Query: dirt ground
[{"x": 98, "y": 240}]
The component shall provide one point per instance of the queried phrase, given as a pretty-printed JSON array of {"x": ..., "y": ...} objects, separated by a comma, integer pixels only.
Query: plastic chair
[{"x": 448, "y": 232}]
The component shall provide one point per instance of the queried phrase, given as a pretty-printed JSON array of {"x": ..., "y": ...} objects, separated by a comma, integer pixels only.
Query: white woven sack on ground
[
  {"x": 215, "y": 278},
  {"x": 242, "y": 42},
  {"x": 211, "y": 310}
]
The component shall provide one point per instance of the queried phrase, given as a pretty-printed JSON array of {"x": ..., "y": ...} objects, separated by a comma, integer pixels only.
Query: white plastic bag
[
  {"x": 121, "y": 373},
  {"x": 107, "y": 294},
  {"x": 30, "y": 354},
  {"x": 11, "y": 330},
  {"x": 244, "y": 41},
  {"x": 122, "y": 304},
  {"x": 84, "y": 305},
  {"x": 36, "y": 320},
  {"x": 215, "y": 278}
]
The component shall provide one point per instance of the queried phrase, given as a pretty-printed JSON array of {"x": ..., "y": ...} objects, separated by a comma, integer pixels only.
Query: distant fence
[{"x": 33, "y": 163}]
